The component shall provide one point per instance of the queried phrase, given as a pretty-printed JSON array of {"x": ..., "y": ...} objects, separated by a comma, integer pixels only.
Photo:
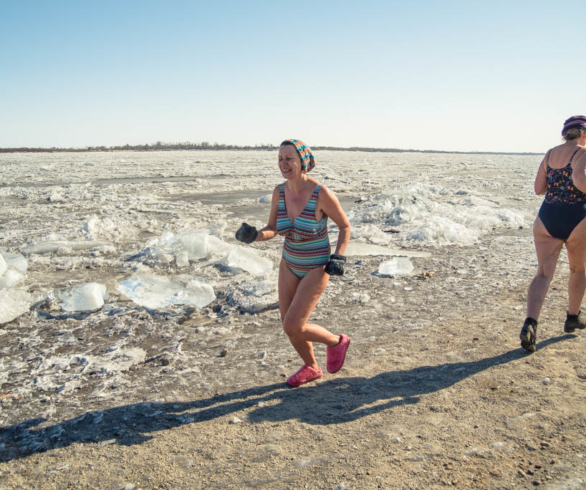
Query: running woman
[{"x": 299, "y": 212}]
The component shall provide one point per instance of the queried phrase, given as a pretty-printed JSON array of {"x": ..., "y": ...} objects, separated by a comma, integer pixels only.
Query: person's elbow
[{"x": 345, "y": 229}]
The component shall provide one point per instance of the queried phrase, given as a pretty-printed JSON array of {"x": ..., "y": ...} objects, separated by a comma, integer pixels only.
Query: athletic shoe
[
  {"x": 337, "y": 354},
  {"x": 304, "y": 375}
]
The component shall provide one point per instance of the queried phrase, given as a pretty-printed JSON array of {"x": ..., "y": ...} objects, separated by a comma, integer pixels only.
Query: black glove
[
  {"x": 246, "y": 233},
  {"x": 335, "y": 266}
]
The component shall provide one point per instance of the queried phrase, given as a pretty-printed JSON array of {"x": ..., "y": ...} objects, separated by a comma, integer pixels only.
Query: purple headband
[{"x": 574, "y": 122}]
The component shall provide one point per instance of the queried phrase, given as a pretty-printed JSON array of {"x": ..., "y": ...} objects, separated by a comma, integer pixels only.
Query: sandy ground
[{"x": 436, "y": 390}]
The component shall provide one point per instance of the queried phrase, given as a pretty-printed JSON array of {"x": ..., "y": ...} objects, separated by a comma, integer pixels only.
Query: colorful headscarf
[
  {"x": 574, "y": 122},
  {"x": 304, "y": 151}
]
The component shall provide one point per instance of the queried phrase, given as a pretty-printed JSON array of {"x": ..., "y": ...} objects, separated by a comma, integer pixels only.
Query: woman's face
[{"x": 289, "y": 162}]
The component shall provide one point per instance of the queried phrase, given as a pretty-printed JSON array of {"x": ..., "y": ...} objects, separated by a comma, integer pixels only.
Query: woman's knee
[
  {"x": 545, "y": 274},
  {"x": 293, "y": 328}
]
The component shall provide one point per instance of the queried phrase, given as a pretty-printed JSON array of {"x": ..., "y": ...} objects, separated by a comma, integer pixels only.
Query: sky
[{"x": 440, "y": 75}]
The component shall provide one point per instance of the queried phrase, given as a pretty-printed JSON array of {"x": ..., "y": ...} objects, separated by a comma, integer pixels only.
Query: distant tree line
[
  {"x": 204, "y": 145},
  {"x": 158, "y": 146}
]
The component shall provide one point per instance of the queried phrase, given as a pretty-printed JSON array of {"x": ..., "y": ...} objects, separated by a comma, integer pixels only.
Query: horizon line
[{"x": 161, "y": 146}]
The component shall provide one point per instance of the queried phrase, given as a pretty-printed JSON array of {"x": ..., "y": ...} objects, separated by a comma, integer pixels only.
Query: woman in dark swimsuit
[{"x": 560, "y": 220}]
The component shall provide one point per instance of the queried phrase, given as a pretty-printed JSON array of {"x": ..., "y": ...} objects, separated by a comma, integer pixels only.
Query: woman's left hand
[{"x": 335, "y": 266}]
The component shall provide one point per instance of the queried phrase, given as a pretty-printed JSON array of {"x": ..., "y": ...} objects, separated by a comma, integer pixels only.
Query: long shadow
[{"x": 331, "y": 402}]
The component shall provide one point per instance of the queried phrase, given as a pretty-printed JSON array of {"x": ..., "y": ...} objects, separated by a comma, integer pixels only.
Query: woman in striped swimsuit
[{"x": 299, "y": 212}]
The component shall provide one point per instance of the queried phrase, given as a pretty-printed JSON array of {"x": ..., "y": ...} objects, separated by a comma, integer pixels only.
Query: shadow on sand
[{"x": 331, "y": 402}]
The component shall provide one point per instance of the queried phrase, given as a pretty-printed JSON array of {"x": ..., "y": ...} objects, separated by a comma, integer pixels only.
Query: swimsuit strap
[
  {"x": 572, "y": 157},
  {"x": 567, "y": 165}
]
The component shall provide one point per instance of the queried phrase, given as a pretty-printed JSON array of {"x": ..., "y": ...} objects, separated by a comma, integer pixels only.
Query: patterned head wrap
[
  {"x": 304, "y": 151},
  {"x": 573, "y": 123}
]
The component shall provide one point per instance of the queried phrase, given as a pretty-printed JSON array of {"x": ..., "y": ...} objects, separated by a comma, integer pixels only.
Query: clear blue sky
[{"x": 444, "y": 75}]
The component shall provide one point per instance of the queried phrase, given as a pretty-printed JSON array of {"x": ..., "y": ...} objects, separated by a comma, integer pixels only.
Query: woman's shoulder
[
  {"x": 326, "y": 193},
  {"x": 581, "y": 154}
]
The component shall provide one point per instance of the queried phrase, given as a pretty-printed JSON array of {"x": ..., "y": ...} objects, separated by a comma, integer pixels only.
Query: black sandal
[{"x": 528, "y": 335}]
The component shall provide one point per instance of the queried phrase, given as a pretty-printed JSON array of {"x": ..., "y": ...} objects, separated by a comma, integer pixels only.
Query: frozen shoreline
[
  {"x": 105, "y": 380},
  {"x": 130, "y": 224}
]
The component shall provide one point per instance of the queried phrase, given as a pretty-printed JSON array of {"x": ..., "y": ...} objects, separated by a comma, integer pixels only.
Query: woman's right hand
[{"x": 246, "y": 233}]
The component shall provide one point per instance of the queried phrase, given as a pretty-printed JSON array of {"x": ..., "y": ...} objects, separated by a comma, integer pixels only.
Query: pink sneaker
[
  {"x": 304, "y": 375},
  {"x": 337, "y": 354}
]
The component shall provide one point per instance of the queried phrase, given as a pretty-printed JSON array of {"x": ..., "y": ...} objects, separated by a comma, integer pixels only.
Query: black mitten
[
  {"x": 335, "y": 266},
  {"x": 246, "y": 233}
]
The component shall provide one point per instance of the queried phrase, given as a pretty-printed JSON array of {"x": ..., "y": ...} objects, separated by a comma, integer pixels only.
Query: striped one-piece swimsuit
[{"x": 307, "y": 245}]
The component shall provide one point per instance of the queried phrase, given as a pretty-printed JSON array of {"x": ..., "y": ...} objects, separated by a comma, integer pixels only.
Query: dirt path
[{"x": 427, "y": 399}]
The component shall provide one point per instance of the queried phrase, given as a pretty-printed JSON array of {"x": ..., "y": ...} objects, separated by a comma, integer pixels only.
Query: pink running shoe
[
  {"x": 304, "y": 375},
  {"x": 337, "y": 354}
]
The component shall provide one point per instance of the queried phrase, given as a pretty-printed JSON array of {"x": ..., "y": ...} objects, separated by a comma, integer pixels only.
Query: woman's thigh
[
  {"x": 288, "y": 283},
  {"x": 306, "y": 296},
  {"x": 547, "y": 248},
  {"x": 576, "y": 247}
]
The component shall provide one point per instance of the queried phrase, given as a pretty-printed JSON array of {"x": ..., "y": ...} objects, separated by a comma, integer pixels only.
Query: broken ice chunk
[
  {"x": 15, "y": 260},
  {"x": 218, "y": 228},
  {"x": 3, "y": 266},
  {"x": 15, "y": 303},
  {"x": 55, "y": 196},
  {"x": 217, "y": 247},
  {"x": 247, "y": 260},
  {"x": 195, "y": 243},
  {"x": 258, "y": 288},
  {"x": 154, "y": 292},
  {"x": 54, "y": 246},
  {"x": 181, "y": 258},
  {"x": 397, "y": 265},
  {"x": 104, "y": 249},
  {"x": 11, "y": 278},
  {"x": 83, "y": 297}
]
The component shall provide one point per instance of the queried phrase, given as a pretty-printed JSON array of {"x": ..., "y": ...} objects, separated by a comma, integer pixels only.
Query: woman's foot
[
  {"x": 528, "y": 335},
  {"x": 573, "y": 322},
  {"x": 337, "y": 354},
  {"x": 304, "y": 375}
]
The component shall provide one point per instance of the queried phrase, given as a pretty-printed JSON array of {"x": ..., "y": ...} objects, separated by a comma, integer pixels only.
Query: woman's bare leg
[
  {"x": 297, "y": 300},
  {"x": 548, "y": 251},
  {"x": 576, "y": 248}
]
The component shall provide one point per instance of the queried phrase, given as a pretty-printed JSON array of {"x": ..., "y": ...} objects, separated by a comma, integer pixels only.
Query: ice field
[
  {"x": 113, "y": 263},
  {"x": 90, "y": 217}
]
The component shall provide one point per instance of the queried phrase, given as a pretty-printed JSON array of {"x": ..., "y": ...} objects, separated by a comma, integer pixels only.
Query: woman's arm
[
  {"x": 329, "y": 204},
  {"x": 270, "y": 231},
  {"x": 541, "y": 177},
  {"x": 578, "y": 172}
]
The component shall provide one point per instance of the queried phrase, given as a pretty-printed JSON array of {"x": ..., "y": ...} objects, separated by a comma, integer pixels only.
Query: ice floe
[
  {"x": 153, "y": 291},
  {"x": 396, "y": 266},
  {"x": 83, "y": 297},
  {"x": 14, "y": 303},
  {"x": 248, "y": 260}
]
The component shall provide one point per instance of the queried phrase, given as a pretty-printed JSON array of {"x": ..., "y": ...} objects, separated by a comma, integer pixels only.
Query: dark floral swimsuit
[{"x": 564, "y": 205}]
